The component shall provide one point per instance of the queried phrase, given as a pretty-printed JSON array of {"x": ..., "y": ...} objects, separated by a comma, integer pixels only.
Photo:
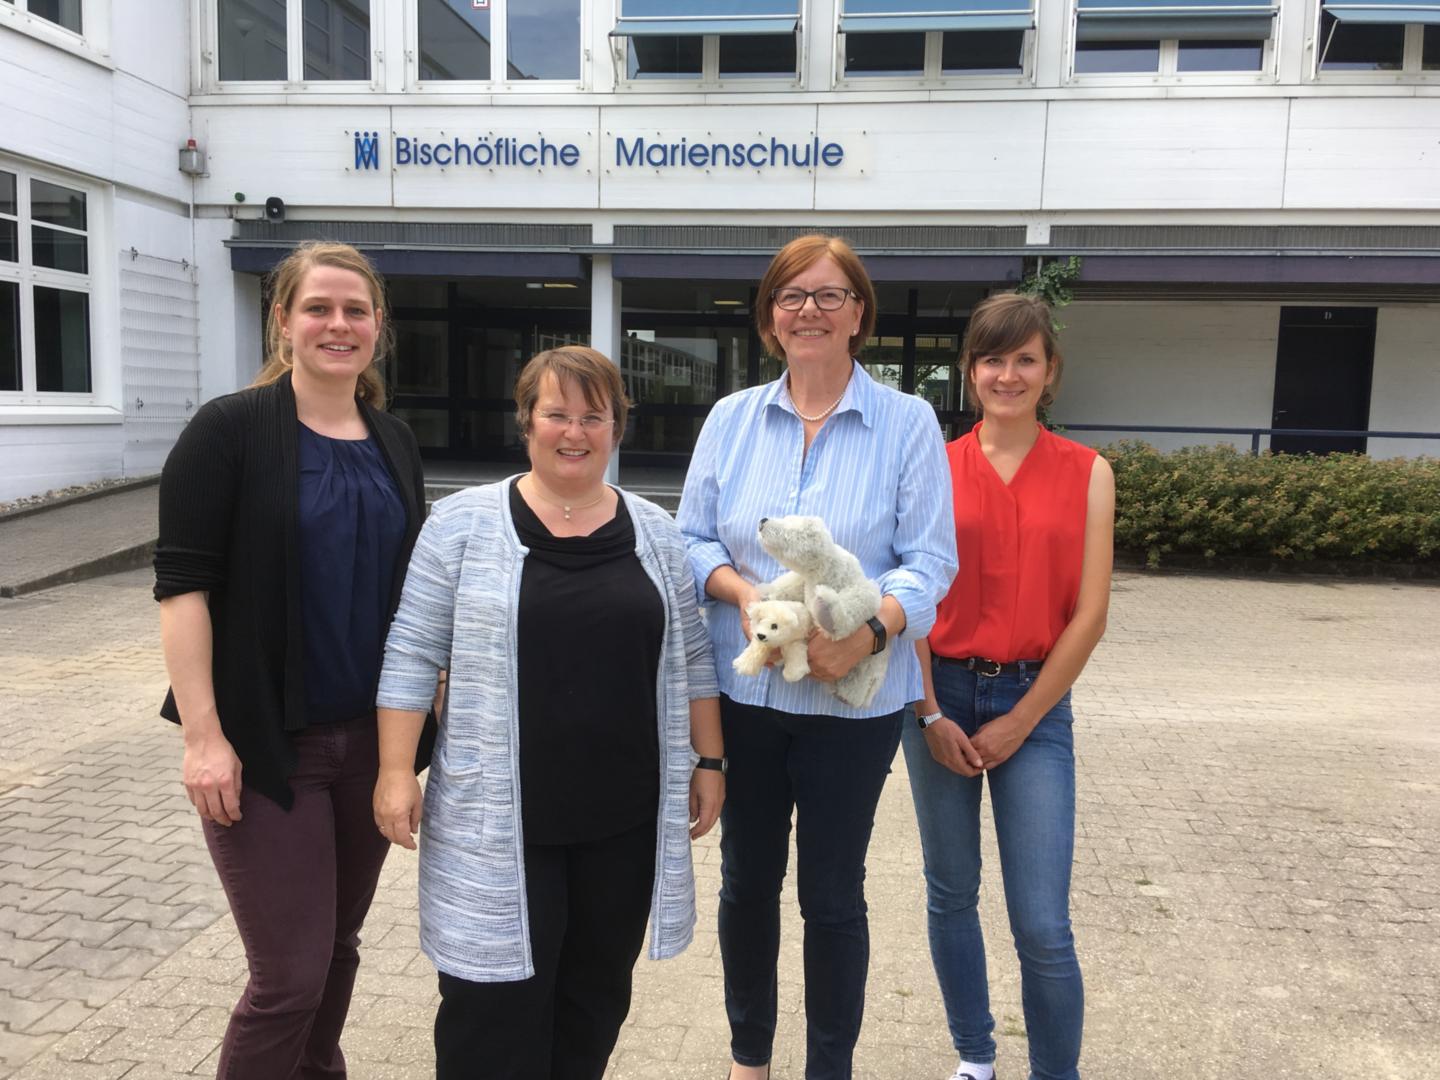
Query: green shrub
[{"x": 1217, "y": 502}]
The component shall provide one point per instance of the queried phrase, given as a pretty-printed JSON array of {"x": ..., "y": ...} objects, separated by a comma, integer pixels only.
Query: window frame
[
  {"x": 93, "y": 284},
  {"x": 294, "y": 81},
  {"x": 499, "y": 58},
  {"x": 932, "y": 74},
  {"x": 1411, "y": 55},
  {"x": 1167, "y": 71},
  {"x": 710, "y": 76},
  {"x": 91, "y": 43}
]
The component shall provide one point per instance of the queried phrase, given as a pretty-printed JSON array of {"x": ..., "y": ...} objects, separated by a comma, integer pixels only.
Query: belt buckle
[{"x": 980, "y": 670}]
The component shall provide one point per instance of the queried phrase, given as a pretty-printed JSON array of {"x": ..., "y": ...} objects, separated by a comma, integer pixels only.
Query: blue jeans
[
  {"x": 830, "y": 772},
  {"x": 1033, "y": 799}
]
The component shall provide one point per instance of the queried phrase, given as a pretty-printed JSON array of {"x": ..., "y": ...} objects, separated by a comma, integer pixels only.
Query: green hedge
[{"x": 1220, "y": 503}]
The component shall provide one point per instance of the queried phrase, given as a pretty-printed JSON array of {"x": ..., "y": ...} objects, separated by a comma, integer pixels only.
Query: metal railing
[{"x": 1253, "y": 432}]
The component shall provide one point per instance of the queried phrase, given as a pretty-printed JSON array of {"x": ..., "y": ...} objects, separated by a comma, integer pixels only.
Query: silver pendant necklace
[{"x": 565, "y": 508}]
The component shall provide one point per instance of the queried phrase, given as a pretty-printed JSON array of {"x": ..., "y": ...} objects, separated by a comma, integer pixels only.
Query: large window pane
[
  {"x": 252, "y": 40},
  {"x": 56, "y": 205},
  {"x": 1360, "y": 46},
  {"x": 62, "y": 341},
  {"x": 65, "y": 13},
  {"x": 337, "y": 39},
  {"x": 422, "y": 358},
  {"x": 885, "y": 54},
  {"x": 678, "y": 365},
  {"x": 1220, "y": 56},
  {"x": 757, "y": 56},
  {"x": 9, "y": 335},
  {"x": 544, "y": 39},
  {"x": 982, "y": 52},
  {"x": 454, "y": 40},
  {"x": 9, "y": 241},
  {"x": 59, "y": 250},
  {"x": 7, "y": 193},
  {"x": 1104, "y": 57},
  {"x": 672, "y": 57},
  {"x": 1430, "y": 50}
]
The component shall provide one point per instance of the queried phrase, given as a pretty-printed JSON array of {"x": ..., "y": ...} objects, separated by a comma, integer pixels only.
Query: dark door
[{"x": 1322, "y": 378}]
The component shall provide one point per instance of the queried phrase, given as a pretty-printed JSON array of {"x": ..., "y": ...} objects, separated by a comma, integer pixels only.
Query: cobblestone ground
[{"x": 1257, "y": 889}]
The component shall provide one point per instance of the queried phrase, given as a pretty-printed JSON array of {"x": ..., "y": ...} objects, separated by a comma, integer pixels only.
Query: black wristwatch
[
  {"x": 878, "y": 629},
  {"x": 719, "y": 764}
]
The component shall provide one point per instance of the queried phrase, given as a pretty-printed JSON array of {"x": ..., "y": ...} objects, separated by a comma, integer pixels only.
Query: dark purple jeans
[{"x": 299, "y": 885}]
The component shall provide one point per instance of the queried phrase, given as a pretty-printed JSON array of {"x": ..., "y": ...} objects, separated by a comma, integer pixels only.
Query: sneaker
[{"x": 962, "y": 1073}]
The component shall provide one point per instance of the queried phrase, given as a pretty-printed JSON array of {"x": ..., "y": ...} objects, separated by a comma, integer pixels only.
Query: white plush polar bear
[
  {"x": 833, "y": 587},
  {"x": 777, "y": 624}
]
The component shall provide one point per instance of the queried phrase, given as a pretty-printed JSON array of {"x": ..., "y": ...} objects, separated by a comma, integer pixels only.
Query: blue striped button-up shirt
[{"x": 876, "y": 474}]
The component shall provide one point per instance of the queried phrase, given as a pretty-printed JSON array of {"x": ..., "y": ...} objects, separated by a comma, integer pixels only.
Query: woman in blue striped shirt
[{"x": 825, "y": 440}]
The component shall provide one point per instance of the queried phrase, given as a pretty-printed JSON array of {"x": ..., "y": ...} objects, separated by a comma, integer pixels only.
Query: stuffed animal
[
  {"x": 777, "y": 624},
  {"x": 831, "y": 584}
]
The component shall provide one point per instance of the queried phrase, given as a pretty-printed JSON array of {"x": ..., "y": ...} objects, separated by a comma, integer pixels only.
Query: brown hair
[
  {"x": 573, "y": 365},
  {"x": 1004, "y": 322},
  {"x": 284, "y": 283},
  {"x": 795, "y": 258}
]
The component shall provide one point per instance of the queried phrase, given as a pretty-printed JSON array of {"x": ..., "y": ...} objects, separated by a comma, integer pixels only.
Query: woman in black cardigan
[{"x": 287, "y": 515}]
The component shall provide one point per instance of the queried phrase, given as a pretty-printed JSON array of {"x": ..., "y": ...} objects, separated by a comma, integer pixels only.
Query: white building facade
[{"x": 1253, "y": 188}]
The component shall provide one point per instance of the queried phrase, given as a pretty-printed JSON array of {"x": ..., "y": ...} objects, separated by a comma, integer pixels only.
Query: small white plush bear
[
  {"x": 834, "y": 589},
  {"x": 777, "y": 624}
]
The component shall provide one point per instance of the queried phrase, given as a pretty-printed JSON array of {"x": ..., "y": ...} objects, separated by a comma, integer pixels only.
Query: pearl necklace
[
  {"x": 822, "y": 413},
  {"x": 566, "y": 508}
]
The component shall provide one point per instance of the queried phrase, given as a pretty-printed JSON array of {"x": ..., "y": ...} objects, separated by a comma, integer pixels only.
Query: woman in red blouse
[{"x": 1034, "y": 524}]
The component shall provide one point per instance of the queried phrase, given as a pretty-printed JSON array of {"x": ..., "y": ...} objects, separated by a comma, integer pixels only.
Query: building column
[{"x": 605, "y": 327}]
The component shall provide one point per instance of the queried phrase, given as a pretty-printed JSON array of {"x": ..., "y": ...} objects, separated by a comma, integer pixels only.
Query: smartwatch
[
  {"x": 719, "y": 764},
  {"x": 928, "y": 718},
  {"x": 878, "y": 629}
]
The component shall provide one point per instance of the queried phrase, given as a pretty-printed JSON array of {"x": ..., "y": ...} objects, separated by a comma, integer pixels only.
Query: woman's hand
[
  {"x": 1000, "y": 738},
  {"x": 707, "y": 795},
  {"x": 831, "y": 660},
  {"x": 397, "y": 805},
  {"x": 211, "y": 772},
  {"x": 950, "y": 746}
]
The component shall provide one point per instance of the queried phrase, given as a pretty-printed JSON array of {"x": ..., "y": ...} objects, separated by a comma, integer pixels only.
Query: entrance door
[{"x": 1322, "y": 377}]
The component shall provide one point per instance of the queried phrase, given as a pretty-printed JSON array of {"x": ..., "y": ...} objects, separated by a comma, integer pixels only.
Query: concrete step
[{"x": 80, "y": 538}]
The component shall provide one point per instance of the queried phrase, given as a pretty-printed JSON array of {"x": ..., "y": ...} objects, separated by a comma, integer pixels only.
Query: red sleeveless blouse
[{"x": 1021, "y": 547}]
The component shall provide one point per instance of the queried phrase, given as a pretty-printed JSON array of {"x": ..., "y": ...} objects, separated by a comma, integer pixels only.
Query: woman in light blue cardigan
[{"x": 497, "y": 595}]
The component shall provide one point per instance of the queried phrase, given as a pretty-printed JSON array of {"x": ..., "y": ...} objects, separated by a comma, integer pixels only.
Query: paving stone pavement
[{"x": 1257, "y": 886}]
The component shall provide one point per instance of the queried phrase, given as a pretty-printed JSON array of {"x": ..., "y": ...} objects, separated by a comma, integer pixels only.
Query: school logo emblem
[{"x": 367, "y": 150}]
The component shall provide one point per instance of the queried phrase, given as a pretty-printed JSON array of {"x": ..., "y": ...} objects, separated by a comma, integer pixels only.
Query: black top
[
  {"x": 591, "y": 623},
  {"x": 229, "y": 509},
  {"x": 351, "y": 524}
]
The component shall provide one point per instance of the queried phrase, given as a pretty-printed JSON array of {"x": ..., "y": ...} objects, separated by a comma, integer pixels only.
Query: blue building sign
[{"x": 639, "y": 152}]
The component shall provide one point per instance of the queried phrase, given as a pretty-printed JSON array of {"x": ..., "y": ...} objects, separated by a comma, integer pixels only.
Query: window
[
  {"x": 1399, "y": 36},
  {"x": 712, "y": 41},
  {"x": 255, "y": 40},
  {"x": 44, "y": 286},
  {"x": 63, "y": 13},
  {"x": 1161, "y": 37},
  {"x": 462, "y": 40},
  {"x": 934, "y": 38}
]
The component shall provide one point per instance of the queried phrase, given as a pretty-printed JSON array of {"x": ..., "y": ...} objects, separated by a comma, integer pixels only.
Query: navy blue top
[{"x": 352, "y": 523}]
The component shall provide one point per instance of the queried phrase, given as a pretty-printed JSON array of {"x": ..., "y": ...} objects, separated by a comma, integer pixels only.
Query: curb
[
  {"x": 80, "y": 497},
  {"x": 131, "y": 558}
]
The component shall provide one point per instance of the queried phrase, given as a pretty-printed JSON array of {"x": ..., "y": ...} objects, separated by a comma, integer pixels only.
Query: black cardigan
[{"x": 229, "y": 505}]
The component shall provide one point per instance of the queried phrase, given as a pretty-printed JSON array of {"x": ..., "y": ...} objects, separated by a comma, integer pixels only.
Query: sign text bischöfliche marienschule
[{"x": 637, "y": 152}]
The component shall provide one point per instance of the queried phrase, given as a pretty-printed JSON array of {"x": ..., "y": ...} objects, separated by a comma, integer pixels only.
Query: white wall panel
[
  {"x": 149, "y": 125},
  {"x": 150, "y": 39},
  {"x": 1165, "y": 154},
  {"x": 1405, "y": 394},
  {"x": 934, "y": 156},
  {"x": 55, "y": 106},
  {"x": 716, "y": 188},
  {"x": 1351, "y": 153},
  {"x": 1188, "y": 364},
  {"x": 305, "y": 154},
  {"x": 45, "y": 457},
  {"x": 498, "y": 185},
  {"x": 152, "y": 230}
]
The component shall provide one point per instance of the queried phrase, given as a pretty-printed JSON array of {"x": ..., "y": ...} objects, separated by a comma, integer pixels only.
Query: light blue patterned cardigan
[{"x": 458, "y": 611}]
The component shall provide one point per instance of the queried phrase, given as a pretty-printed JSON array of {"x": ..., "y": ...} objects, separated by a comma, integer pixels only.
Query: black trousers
[{"x": 588, "y": 906}]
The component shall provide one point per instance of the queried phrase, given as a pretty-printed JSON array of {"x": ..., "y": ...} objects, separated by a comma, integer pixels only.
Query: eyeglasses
[
  {"x": 561, "y": 422},
  {"x": 830, "y": 298}
]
